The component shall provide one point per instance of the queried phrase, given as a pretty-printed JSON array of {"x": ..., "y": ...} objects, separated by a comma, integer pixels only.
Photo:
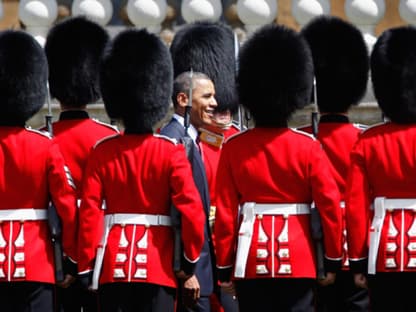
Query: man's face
[{"x": 203, "y": 103}]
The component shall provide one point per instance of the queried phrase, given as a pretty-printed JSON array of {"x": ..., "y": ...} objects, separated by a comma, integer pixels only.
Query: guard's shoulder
[
  {"x": 105, "y": 139},
  {"x": 372, "y": 128},
  {"x": 40, "y": 132},
  {"x": 164, "y": 137},
  {"x": 306, "y": 134},
  {"x": 110, "y": 126},
  {"x": 361, "y": 127},
  {"x": 237, "y": 134}
]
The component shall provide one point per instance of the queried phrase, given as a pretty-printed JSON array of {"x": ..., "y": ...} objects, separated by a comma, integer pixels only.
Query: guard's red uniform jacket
[
  {"x": 276, "y": 166},
  {"x": 141, "y": 175},
  {"x": 383, "y": 164},
  {"x": 211, "y": 148},
  {"x": 338, "y": 136},
  {"x": 76, "y": 134},
  {"x": 33, "y": 171}
]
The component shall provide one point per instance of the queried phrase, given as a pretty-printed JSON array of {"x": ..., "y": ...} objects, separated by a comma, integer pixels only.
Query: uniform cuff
[
  {"x": 224, "y": 274},
  {"x": 332, "y": 265},
  {"x": 187, "y": 266},
  {"x": 359, "y": 266}
]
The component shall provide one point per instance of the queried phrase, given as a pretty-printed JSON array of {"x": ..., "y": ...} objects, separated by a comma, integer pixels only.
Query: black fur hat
[
  {"x": 23, "y": 77},
  {"x": 208, "y": 47},
  {"x": 275, "y": 75},
  {"x": 74, "y": 47},
  {"x": 137, "y": 79},
  {"x": 341, "y": 62},
  {"x": 393, "y": 73}
]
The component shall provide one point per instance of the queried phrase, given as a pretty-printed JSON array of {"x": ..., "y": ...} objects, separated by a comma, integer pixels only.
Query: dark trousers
[
  {"x": 75, "y": 297},
  {"x": 143, "y": 297},
  {"x": 392, "y": 291},
  {"x": 342, "y": 296},
  {"x": 203, "y": 304},
  {"x": 228, "y": 302},
  {"x": 278, "y": 294},
  {"x": 27, "y": 297}
]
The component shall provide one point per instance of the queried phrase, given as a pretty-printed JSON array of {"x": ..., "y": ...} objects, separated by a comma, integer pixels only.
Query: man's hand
[
  {"x": 68, "y": 280},
  {"x": 328, "y": 280},
  {"x": 191, "y": 290},
  {"x": 228, "y": 287},
  {"x": 360, "y": 280}
]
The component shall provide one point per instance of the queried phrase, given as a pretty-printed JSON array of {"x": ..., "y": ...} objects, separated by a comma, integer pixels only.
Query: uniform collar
[{"x": 192, "y": 132}]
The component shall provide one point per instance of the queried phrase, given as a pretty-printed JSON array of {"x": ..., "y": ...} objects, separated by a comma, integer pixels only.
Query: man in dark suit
[{"x": 203, "y": 105}]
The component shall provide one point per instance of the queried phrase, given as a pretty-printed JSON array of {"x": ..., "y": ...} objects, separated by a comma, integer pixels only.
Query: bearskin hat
[
  {"x": 275, "y": 75},
  {"x": 208, "y": 47},
  {"x": 136, "y": 80},
  {"x": 341, "y": 62},
  {"x": 74, "y": 48},
  {"x": 23, "y": 77},
  {"x": 393, "y": 73}
]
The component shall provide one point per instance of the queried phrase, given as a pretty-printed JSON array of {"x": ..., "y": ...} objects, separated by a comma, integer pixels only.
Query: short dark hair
[{"x": 182, "y": 83}]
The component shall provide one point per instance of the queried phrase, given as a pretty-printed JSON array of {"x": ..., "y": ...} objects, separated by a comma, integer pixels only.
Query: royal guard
[
  {"x": 380, "y": 194},
  {"x": 73, "y": 48},
  {"x": 138, "y": 175},
  {"x": 33, "y": 174},
  {"x": 341, "y": 63},
  {"x": 267, "y": 179},
  {"x": 211, "y": 48}
]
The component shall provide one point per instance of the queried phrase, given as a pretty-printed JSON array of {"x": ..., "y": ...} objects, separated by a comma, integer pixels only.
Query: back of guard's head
[
  {"x": 74, "y": 48},
  {"x": 393, "y": 73},
  {"x": 275, "y": 75},
  {"x": 209, "y": 48},
  {"x": 136, "y": 80},
  {"x": 23, "y": 77},
  {"x": 341, "y": 62}
]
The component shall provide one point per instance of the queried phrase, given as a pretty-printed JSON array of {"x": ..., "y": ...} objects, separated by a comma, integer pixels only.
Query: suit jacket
[{"x": 205, "y": 266}]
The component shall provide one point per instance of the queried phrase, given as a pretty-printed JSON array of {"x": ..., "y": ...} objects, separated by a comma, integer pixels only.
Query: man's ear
[{"x": 182, "y": 99}]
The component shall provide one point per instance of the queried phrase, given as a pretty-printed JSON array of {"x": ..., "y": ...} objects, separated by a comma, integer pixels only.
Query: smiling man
[{"x": 197, "y": 89}]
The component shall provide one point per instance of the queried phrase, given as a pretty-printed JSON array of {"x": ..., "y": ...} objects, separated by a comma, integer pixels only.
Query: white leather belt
[
  {"x": 278, "y": 209},
  {"x": 249, "y": 212},
  {"x": 123, "y": 218},
  {"x": 141, "y": 219},
  {"x": 24, "y": 214},
  {"x": 381, "y": 204}
]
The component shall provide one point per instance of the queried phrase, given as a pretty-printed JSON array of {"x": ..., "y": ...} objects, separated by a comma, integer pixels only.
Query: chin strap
[{"x": 211, "y": 138}]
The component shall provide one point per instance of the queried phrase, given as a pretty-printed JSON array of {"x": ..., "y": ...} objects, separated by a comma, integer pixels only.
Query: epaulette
[
  {"x": 105, "y": 124},
  {"x": 41, "y": 132},
  {"x": 236, "y": 135},
  {"x": 110, "y": 137},
  {"x": 303, "y": 133},
  {"x": 161, "y": 136},
  {"x": 359, "y": 126},
  {"x": 374, "y": 126}
]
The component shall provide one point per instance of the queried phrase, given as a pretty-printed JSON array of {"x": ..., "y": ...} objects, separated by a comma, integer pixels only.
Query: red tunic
[
  {"x": 140, "y": 174},
  {"x": 33, "y": 169},
  {"x": 338, "y": 139},
  {"x": 383, "y": 164},
  {"x": 276, "y": 165},
  {"x": 76, "y": 137},
  {"x": 211, "y": 155}
]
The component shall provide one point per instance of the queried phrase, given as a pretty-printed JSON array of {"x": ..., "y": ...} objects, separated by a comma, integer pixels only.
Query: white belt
[
  {"x": 249, "y": 211},
  {"x": 123, "y": 218},
  {"x": 381, "y": 204},
  {"x": 24, "y": 214}
]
